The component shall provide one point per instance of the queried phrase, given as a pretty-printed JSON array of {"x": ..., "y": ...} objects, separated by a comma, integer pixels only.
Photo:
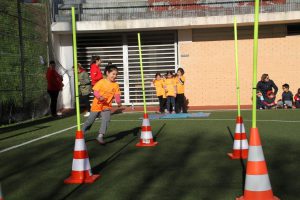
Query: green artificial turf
[{"x": 190, "y": 161}]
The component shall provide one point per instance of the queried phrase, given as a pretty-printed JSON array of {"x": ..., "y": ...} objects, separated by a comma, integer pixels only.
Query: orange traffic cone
[
  {"x": 1, "y": 197},
  {"x": 240, "y": 145},
  {"x": 146, "y": 139},
  {"x": 257, "y": 184},
  {"x": 81, "y": 168}
]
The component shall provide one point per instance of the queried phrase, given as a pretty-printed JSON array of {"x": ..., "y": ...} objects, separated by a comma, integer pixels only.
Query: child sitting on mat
[
  {"x": 269, "y": 100},
  {"x": 105, "y": 91},
  {"x": 287, "y": 97}
]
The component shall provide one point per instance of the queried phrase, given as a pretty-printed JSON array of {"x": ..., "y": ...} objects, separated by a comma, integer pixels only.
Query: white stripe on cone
[
  {"x": 240, "y": 144},
  {"x": 81, "y": 164},
  {"x": 79, "y": 145},
  {"x": 257, "y": 182},
  {"x": 146, "y": 122},
  {"x": 256, "y": 154},
  {"x": 146, "y": 135},
  {"x": 240, "y": 128}
]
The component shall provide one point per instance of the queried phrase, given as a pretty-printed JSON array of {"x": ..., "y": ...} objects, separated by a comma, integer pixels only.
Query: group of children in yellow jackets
[{"x": 170, "y": 91}]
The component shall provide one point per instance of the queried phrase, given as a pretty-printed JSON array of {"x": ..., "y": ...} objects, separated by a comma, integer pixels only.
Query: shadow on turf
[
  {"x": 159, "y": 131},
  {"x": 123, "y": 134},
  {"x": 29, "y": 131},
  {"x": 230, "y": 133},
  {"x": 97, "y": 169},
  {"x": 70, "y": 193},
  {"x": 119, "y": 135},
  {"x": 166, "y": 176},
  {"x": 110, "y": 159},
  {"x": 241, "y": 161},
  {"x": 30, "y": 123}
]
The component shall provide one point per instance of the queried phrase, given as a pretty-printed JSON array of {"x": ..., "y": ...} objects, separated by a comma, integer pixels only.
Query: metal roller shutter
[{"x": 159, "y": 55}]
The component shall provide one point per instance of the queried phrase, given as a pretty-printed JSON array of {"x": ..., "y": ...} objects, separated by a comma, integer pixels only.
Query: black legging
[
  {"x": 162, "y": 103},
  {"x": 180, "y": 103},
  {"x": 53, "y": 104},
  {"x": 86, "y": 101}
]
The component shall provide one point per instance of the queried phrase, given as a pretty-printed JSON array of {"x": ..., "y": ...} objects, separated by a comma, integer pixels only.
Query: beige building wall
[{"x": 207, "y": 55}]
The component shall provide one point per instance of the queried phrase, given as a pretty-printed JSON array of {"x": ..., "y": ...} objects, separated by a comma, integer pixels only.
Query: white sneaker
[
  {"x": 59, "y": 113},
  {"x": 100, "y": 139},
  {"x": 86, "y": 114}
]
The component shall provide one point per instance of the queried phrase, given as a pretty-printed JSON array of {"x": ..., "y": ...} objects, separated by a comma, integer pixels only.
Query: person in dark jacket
[
  {"x": 287, "y": 97},
  {"x": 266, "y": 84},
  {"x": 55, "y": 85}
]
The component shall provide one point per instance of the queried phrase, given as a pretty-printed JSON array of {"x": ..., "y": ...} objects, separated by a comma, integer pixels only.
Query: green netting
[{"x": 23, "y": 58}]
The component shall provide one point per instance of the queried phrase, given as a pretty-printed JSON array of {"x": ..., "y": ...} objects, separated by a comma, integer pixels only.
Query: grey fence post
[{"x": 21, "y": 43}]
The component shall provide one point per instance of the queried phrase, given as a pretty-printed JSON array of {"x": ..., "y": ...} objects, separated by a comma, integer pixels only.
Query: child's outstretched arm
[
  {"x": 118, "y": 99},
  {"x": 153, "y": 83}
]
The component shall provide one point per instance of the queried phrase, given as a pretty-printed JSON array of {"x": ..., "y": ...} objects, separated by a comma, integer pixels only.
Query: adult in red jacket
[
  {"x": 95, "y": 70},
  {"x": 55, "y": 85}
]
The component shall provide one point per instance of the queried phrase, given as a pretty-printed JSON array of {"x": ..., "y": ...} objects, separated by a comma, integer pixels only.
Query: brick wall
[{"x": 207, "y": 55}]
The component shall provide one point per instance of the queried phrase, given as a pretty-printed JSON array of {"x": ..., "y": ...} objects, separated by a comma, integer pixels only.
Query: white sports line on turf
[
  {"x": 36, "y": 139},
  {"x": 131, "y": 120}
]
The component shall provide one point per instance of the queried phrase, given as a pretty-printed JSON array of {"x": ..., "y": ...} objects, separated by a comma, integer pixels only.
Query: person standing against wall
[
  {"x": 55, "y": 85},
  {"x": 84, "y": 88},
  {"x": 158, "y": 83},
  {"x": 171, "y": 91},
  {"x": 180, "y": 98},
  {"x": 96, "y": 74}
]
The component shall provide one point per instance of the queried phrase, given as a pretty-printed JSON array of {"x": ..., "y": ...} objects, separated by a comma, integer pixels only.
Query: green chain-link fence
[{"x": 23, "y": 60}]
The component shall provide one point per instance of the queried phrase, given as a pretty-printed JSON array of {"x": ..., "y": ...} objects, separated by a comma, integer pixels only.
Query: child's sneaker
[
  {"x": 100, "y": 139},
  {"x": 86, "y": 114}
]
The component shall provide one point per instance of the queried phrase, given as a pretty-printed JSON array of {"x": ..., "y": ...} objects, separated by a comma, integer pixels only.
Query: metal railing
[{"x": 92, "y": 10}]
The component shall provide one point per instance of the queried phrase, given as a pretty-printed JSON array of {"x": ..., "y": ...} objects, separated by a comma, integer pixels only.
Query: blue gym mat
[{"x": 179, "y": 115}]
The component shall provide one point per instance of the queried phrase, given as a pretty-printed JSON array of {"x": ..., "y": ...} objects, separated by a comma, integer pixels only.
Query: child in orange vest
[
  {"x": 105, "y": 91},
  {"x": 158, "y": 83},
  {"x": 171, "y": 91}
]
